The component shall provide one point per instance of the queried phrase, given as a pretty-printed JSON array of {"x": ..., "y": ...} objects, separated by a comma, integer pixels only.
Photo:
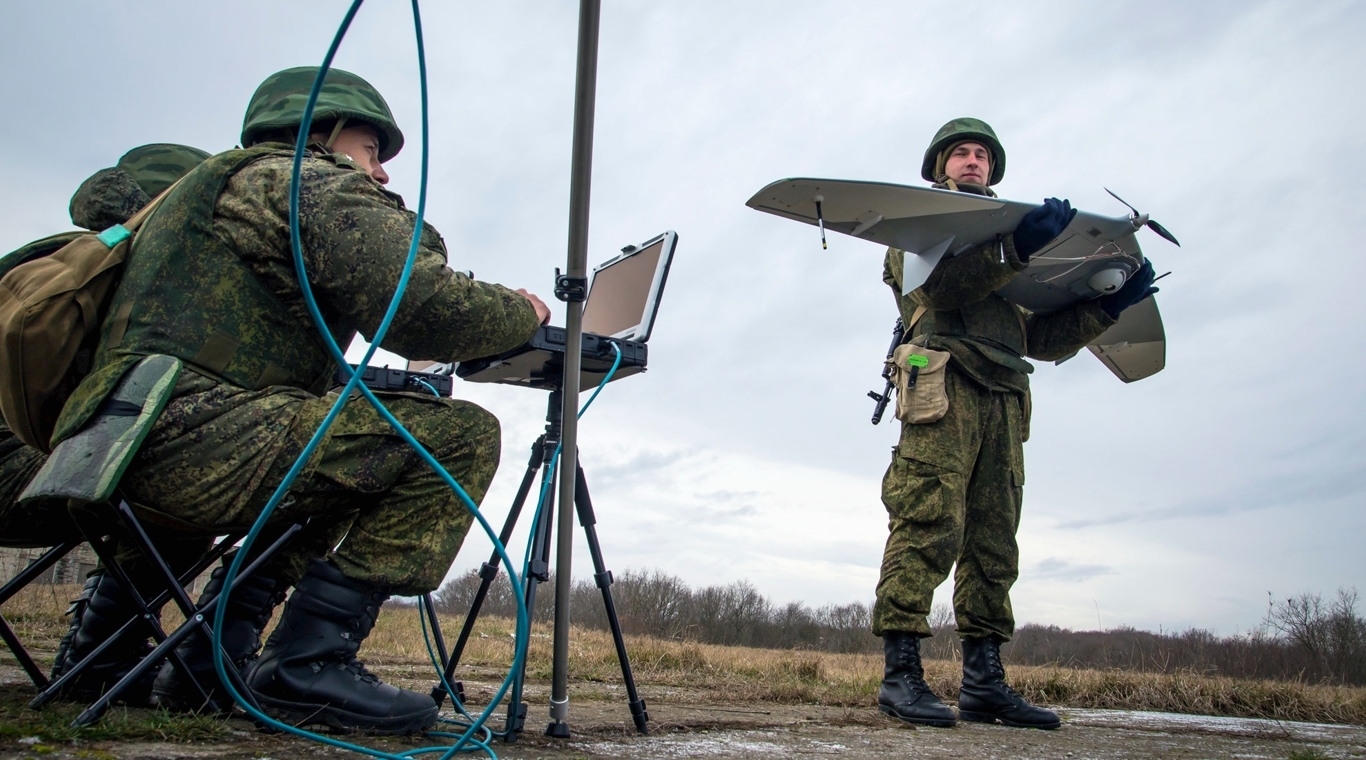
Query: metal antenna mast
[{"x": 572, "y": 288}]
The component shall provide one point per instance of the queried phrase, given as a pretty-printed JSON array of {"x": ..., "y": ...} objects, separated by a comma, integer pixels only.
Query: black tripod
[{"x": 542, "y": 459}]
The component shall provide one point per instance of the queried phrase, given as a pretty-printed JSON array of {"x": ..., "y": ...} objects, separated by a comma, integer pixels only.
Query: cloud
[
  {"x": 640, "y": 465},
  {"x": 746, "y": 450},
  {"x": 1058, "y": 569}
]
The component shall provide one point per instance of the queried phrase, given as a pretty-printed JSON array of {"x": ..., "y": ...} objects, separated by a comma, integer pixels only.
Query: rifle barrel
[{"x": 898, "y": 334}]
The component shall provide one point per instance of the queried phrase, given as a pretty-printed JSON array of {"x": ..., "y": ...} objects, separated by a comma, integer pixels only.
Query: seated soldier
[
  {"x": 211, "y": 280},
  {"x": 108, "y": 197}
]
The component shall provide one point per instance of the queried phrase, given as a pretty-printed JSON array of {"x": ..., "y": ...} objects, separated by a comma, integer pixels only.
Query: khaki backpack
[{"x": 51, "y": 310}]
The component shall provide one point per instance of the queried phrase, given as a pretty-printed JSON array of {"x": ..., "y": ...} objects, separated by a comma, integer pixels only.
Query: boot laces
[
  {"x": 358, "y": 669},
  {"x": 909, "y": 649},
  {"x": 998, "y": 669},
  {"x": 913, "y": 673}
]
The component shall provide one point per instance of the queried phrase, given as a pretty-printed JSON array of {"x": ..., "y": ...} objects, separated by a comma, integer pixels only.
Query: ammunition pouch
[{"x": 918, "y": 374}]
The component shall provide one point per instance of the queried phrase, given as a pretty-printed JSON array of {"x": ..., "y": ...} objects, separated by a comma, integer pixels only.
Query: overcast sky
[{"x": 745, "y": 451}]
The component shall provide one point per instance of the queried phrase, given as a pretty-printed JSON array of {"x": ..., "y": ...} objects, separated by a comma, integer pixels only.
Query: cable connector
[{"x": 570, "y": 289}]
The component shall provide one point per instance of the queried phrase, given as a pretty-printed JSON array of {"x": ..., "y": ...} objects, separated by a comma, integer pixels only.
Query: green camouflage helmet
[
  {"x": 279, "y": 104},
  {"x": 959, "y": 130},
  {"x": 110, "y": 196},
  {"x": 158, "y": 166}
]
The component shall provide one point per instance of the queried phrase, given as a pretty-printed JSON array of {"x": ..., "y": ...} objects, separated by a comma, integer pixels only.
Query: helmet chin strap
[{"x": 336, "y": 130}]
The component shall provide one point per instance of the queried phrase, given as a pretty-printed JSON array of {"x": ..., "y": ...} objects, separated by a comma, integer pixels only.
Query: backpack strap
[
  {"x": 135, "y": 221},
  {"x": 908, "y": 329},
  {"x": 915, "y": 317},
  {"x": 117, "y": 234},
  {"x": 121, "y": 232}
]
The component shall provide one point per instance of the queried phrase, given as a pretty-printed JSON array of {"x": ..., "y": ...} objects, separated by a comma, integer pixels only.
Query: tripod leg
[
  {"x": 438, "y": 637},
  {"x": 538, "y": 573},
  {"x": 603, "y": 577},
  {"x": 488, "y": 572}
]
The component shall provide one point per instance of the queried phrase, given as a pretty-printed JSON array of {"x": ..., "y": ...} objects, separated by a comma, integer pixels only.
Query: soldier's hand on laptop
[{"x": 542, "y": 311}]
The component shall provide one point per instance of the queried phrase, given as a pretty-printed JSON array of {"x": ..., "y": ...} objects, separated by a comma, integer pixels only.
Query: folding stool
[
  {"x": 85, "y": 468},
  {"x": 196, "y": 618},
  {"x": 26, "y": 576},
  {"x": 147, "y": 610}
]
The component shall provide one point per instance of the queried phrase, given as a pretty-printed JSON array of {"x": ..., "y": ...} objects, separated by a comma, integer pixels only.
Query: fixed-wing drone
[{"x": 1093, "y": 256}]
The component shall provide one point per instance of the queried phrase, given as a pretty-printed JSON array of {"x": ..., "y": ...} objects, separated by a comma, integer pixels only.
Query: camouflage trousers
[
  {"x": 377, "y": 510},
  {"x": 953, "y": 494},
  {"x": 27, "y": 525}
]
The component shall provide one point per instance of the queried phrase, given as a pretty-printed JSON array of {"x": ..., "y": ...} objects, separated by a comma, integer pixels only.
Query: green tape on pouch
[{"x": 916, "y": 360}]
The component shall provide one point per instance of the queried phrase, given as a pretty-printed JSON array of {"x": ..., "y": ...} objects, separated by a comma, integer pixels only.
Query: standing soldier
[
  {"x": 211, "y": 280},
  {"x": 108, "y": 197},
  {"x": 953, "y": 491}
]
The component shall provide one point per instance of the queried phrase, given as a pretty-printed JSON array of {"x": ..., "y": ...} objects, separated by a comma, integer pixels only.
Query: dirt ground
[{"x": 682, "y": 726}]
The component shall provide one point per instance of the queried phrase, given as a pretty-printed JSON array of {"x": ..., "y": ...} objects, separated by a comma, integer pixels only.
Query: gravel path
[{"x": 685, "y": 727}]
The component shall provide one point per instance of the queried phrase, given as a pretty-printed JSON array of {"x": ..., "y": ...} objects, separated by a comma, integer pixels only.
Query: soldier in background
[
  {"x": 109, "y": 197},
  {"x": 953, "y": 491},
  {"x": 255, "y": 388}
]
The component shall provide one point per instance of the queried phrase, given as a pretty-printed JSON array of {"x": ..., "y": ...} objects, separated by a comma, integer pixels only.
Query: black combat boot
[
  {"x": 904, "y": 693},
  {"x": 101, "y": 609},
  {"x": 309, "y": 674},
  {"x": 249, "y": 608},
  {"x": 985, "y": 697}
]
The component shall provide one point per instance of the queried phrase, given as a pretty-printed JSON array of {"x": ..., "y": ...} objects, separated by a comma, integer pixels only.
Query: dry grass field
[
  {"x": 718, "y": 700},
  {"x": 731, "y": 674}
]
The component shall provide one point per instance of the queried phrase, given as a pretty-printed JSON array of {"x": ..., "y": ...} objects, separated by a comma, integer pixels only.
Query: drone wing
[
  {"x": 1135, "y": 347},
  {"x": 924, "y": 222},
  {"x": 929, "y": 224}
]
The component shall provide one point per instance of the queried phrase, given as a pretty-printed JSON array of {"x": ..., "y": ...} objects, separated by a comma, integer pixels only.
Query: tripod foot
[
  {"x": 438, "y": 693},
  {"x": 640, "y": 717},
  {"x": 516, "y": 720},
  {"x": 90, "y": 715},
  {"x": 557, "y": 730}
]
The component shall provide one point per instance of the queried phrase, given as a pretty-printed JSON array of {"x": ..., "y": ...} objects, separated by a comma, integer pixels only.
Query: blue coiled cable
[
  {"x": 545, "y": 485},
  {"x": 466, "y": 741},
  {"x": 526, "y": 558},
  {"x": 526, "y": 564}
]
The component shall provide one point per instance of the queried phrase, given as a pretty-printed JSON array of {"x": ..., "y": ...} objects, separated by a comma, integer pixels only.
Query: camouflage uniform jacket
[
  {"x": 211, "y": 280},
  {"x": 981, "y": 329}
]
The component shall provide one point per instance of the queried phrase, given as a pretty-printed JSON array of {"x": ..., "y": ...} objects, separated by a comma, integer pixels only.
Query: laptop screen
[{"x": 625, "y": 292}]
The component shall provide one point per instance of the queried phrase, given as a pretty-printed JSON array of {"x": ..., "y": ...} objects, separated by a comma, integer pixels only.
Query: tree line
[
  {"x": 1302, "y": 638},
  {"x": 651, "y": 603},
  {"x": 1306, "y": 637}
]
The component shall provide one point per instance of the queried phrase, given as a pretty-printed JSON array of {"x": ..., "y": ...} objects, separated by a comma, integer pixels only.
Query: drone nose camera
[{"x": 1107, "y": 280}]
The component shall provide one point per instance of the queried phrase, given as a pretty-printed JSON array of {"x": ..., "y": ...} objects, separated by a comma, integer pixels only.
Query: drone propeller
[
  {"x": 1151, "y": 224},
  {"x": 1163, "y": 233}
]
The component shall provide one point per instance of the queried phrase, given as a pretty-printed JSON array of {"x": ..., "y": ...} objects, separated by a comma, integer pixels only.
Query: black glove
[
  {"x": 1138, "y": 287},
  {"x": 1041, "y": 225}
]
